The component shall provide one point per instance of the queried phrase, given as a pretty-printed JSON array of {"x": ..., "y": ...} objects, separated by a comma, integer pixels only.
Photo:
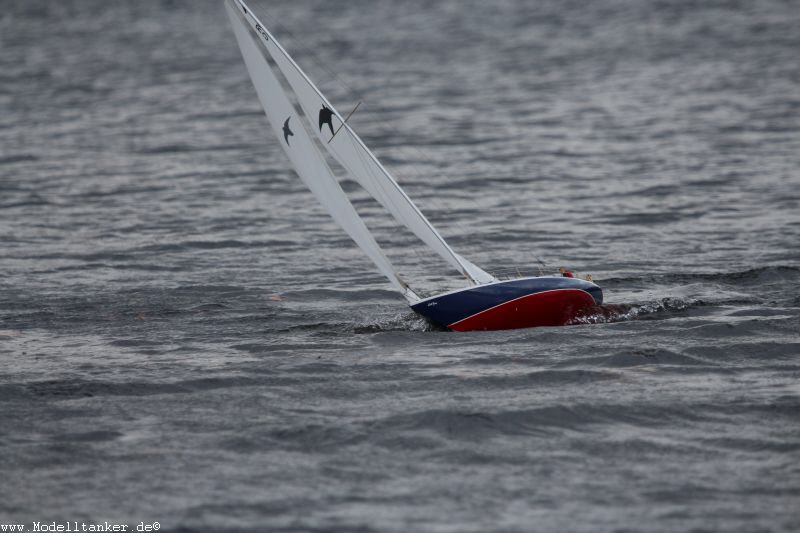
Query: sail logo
[
  {"x": 287, "y": 132},
  {"x": 326, "y": 117},
  {"x": 262, "y": 31}
]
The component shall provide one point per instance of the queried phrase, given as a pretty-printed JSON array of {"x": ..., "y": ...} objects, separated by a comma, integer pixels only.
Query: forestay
[
  {"x": 349, "y": 150},
  {"x": 308, "y": 161}
]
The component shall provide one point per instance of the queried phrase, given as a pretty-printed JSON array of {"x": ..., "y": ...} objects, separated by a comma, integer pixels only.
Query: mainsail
[{"x": 343, "y": 144}]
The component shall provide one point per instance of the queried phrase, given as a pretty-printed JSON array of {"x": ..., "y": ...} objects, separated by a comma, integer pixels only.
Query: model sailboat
[{"x": 487, "y": 303}]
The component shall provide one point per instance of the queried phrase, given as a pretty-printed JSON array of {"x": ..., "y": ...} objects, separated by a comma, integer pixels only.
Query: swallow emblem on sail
[
  {"x": 286, "y": 131},
  {"x": 326, "y": 117}
]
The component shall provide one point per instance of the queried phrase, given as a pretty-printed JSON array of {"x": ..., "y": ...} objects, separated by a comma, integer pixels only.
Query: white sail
[
  {"x": 308, "y": 161},
  {"x": 349, "y": 150}
]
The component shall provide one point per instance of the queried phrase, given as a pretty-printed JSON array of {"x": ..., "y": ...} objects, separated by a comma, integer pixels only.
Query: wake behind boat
[{"x": 487, "y": 303}]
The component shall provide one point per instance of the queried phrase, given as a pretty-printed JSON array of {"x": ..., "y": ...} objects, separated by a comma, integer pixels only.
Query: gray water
[{"x": 187, "y": 338}]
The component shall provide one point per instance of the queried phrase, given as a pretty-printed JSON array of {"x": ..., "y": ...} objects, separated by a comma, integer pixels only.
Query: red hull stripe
[{"x": 549, "y": 308}]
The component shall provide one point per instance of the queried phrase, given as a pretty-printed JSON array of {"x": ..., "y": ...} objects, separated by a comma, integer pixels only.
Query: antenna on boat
[{"x": 542, "y": 266}]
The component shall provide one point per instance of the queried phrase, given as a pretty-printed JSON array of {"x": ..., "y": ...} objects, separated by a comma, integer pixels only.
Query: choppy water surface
[{"x": 186, "y": 338}]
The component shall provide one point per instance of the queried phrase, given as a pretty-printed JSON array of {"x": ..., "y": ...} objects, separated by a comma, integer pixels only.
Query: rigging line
[{"x": 344, "y": 121}]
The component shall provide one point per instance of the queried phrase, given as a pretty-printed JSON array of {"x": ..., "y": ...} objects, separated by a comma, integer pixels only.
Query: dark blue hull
[{"x": 525, "y": 302}]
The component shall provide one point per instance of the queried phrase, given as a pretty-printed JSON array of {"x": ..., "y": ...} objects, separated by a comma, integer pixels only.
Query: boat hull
[{"x": 519, "y": 303}]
